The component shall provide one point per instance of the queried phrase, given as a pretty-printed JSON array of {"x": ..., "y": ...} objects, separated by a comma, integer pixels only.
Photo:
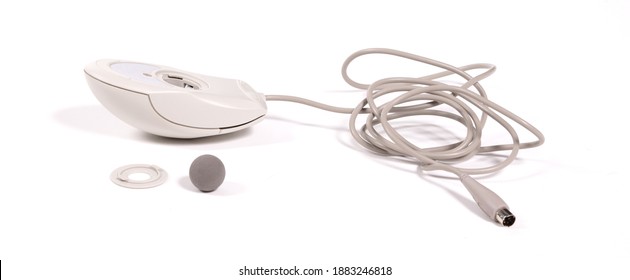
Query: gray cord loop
[
  {"x": 427, "y": 96},
  {"x": 432, "y": 93}
]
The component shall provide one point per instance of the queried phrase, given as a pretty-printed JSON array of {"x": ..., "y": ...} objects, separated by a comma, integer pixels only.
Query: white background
[{"x": 298, "y": 191}]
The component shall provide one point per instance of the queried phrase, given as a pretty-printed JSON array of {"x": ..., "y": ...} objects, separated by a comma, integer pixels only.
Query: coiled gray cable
[{"x": 422, "y": 96}]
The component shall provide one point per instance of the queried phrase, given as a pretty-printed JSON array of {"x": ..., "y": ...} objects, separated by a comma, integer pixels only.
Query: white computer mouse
[{"x": 173, "y": 103}]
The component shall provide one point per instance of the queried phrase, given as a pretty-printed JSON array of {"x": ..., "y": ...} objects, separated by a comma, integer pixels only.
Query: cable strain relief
[{"x": 489, "y": 202}]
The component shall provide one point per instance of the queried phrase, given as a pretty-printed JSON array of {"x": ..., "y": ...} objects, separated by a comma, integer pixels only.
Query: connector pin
[{"x": 505, "y": 217}]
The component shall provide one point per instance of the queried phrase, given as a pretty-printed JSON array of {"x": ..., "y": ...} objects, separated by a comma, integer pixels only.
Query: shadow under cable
[{"x": 433, "y": 134}]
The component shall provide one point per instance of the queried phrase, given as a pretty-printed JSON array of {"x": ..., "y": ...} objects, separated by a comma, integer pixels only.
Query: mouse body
[{"x": 173, "y": 103}]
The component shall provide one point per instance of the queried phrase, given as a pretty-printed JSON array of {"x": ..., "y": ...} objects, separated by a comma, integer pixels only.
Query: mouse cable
[{"x": 421, "y": 97}]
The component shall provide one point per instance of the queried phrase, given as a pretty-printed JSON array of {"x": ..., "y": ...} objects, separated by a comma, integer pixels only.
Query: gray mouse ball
[{"x": 207, "y": 173}]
